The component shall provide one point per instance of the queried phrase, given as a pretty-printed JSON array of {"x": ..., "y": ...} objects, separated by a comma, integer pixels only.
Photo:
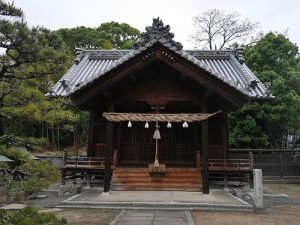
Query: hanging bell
[
  {"x": 156, "y": 134},
  {"x": 156, "y": 163},
  {"x": 185, "y": 125},
  {"x": 146, "y": 125},
  {"x": 129, "y": 124},
  {"x": 169, "y": 125}
]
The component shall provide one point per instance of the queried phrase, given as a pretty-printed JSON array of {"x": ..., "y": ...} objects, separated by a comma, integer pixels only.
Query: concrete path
[{"x": 153, "y": 217}]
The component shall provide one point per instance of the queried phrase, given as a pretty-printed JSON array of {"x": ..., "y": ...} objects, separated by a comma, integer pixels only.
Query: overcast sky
[{"x": 273, "y": 15}]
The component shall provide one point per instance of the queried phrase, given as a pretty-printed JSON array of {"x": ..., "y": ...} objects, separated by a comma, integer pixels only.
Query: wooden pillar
[
  {"x": 90, "y": 149},
  {"x": 225, "y": 135},
  {"x": 251, "y": 168},
  {"x": 108, "y": 152},
  {"x": 118, "y": 145},
  {"x": 63, "y": 169},
  {"x": 204, "y": 149}
]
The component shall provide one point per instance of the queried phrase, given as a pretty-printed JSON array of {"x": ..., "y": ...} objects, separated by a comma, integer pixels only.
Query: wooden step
[
  {"x": 146, "y": 188},
  {"x": 164, "y": 179},
  {"x": 175, "y": 179},
  {"x": 126, "y": 169}
]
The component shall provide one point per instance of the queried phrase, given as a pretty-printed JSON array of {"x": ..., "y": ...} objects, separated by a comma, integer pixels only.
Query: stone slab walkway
[
  {"x": 153, "y": 217},
  {"x": 154, "y": 200}
]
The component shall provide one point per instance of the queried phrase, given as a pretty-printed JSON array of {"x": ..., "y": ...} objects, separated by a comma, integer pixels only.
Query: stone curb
[{"x": 158, "y": 206}]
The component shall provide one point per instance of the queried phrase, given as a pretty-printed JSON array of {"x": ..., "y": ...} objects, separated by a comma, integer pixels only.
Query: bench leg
[
  {"x": 89, "y": 178},
  {"x": 225, "y": 181},
  {"x": 251, "y": 180},
  {"x": 63, "y": 177}
]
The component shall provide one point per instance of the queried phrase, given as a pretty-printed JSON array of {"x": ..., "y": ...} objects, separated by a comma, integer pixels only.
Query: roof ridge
[{"x": 157, "y": 31}]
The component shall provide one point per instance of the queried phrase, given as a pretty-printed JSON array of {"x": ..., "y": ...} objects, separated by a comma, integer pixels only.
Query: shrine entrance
[
  {"x": 158, "y": 138},
  {"x": 177, "y": 146}
]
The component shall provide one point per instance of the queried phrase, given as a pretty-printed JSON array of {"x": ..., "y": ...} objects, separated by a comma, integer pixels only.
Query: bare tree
[{"x": 216, "y": 28}]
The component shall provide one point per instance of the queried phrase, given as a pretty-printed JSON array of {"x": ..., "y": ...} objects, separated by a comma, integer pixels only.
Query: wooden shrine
[{"x": 158, "y": 113}]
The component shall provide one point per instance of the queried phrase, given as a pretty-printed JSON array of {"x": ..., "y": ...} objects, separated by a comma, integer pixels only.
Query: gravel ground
[
  {"x": 279, "y": 210},
  {"x": 88, "y": 216},
  {"x": 279, "y": 195}
]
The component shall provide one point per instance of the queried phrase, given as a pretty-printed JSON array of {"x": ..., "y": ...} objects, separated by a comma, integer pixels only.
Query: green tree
[
  {"x": 120, "y": 35},
  {"x": 275, "y": 60},
  {"x": 30, "y": 54},
  {"x": 106, "y": 36},
  {"x": 33, "y": 59},
  {"x": 81, "y": 37}
]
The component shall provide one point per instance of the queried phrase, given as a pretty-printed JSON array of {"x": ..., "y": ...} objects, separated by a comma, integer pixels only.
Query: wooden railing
[
  {"x": 85, "y": 168},
  {"x": 230, "y": 165},
  {"x": 83, "y": 162}
]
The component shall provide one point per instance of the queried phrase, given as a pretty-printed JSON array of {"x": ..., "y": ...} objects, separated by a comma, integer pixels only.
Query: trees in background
[
  {"x": 216, "y": 29},
  {"x": 111, "y": 35},
  {"x": 32, "y": 60},
  {"x": 275, "y": 60}
]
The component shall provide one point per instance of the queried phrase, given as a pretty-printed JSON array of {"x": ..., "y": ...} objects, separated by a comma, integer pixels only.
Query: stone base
[{"x": 69, "y": 190}]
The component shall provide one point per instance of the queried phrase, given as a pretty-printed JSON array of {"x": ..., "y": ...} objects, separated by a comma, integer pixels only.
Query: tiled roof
[{"x": 226, "y": 65}]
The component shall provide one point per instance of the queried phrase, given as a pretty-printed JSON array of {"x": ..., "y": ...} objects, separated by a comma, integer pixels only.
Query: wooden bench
[
  {"x": 239, "y": 169},
  {"x": 81, "y": 167}
]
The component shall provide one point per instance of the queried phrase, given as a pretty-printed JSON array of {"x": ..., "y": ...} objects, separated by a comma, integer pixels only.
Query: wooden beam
[
  {"x": 111, "y": 78},
  {"x": 204, "y": 149},
  {"x": 108, "y": 152},
  {"x": 178, "y": 63},
  {"x": 205, "y": 79}
]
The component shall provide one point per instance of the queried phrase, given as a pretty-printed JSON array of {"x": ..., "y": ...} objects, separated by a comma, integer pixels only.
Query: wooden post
[
  {"x": 90, "y": 149},
  {"x": 204, "y": 148},
  {"x": 65, "y": 157},
  {"x": 118, "y": 145},
  {"x": 198, "y": 159},
  {"x": 108, "y": 152},
  {"x": 251, "y": 165},
  {"x": 88, "y": 173},
  {"x": 63, "y": 176},
  {"x": 115, "y": 158},
  {"x": 63, "y": 170},
  {"x": 251, "y": 162}
]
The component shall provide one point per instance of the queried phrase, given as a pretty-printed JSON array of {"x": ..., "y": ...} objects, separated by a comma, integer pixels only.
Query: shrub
[
  {"x": 29, "y": 216},
  {"x": 42, "y": 174},
  {"x": 17, "y": 154}
]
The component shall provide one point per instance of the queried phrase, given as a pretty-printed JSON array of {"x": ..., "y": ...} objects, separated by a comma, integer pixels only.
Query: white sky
[{"x": 273, "y": 15}]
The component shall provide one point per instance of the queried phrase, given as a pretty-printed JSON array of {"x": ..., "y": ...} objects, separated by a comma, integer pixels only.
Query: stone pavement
[{"x": 153, "y": 217}]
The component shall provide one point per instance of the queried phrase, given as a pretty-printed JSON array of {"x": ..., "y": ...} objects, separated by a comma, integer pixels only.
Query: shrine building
[{"x": 158, "y": 113}]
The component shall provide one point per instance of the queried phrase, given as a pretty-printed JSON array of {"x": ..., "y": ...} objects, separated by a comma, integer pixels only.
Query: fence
[{"x": 275, "y": 163}]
